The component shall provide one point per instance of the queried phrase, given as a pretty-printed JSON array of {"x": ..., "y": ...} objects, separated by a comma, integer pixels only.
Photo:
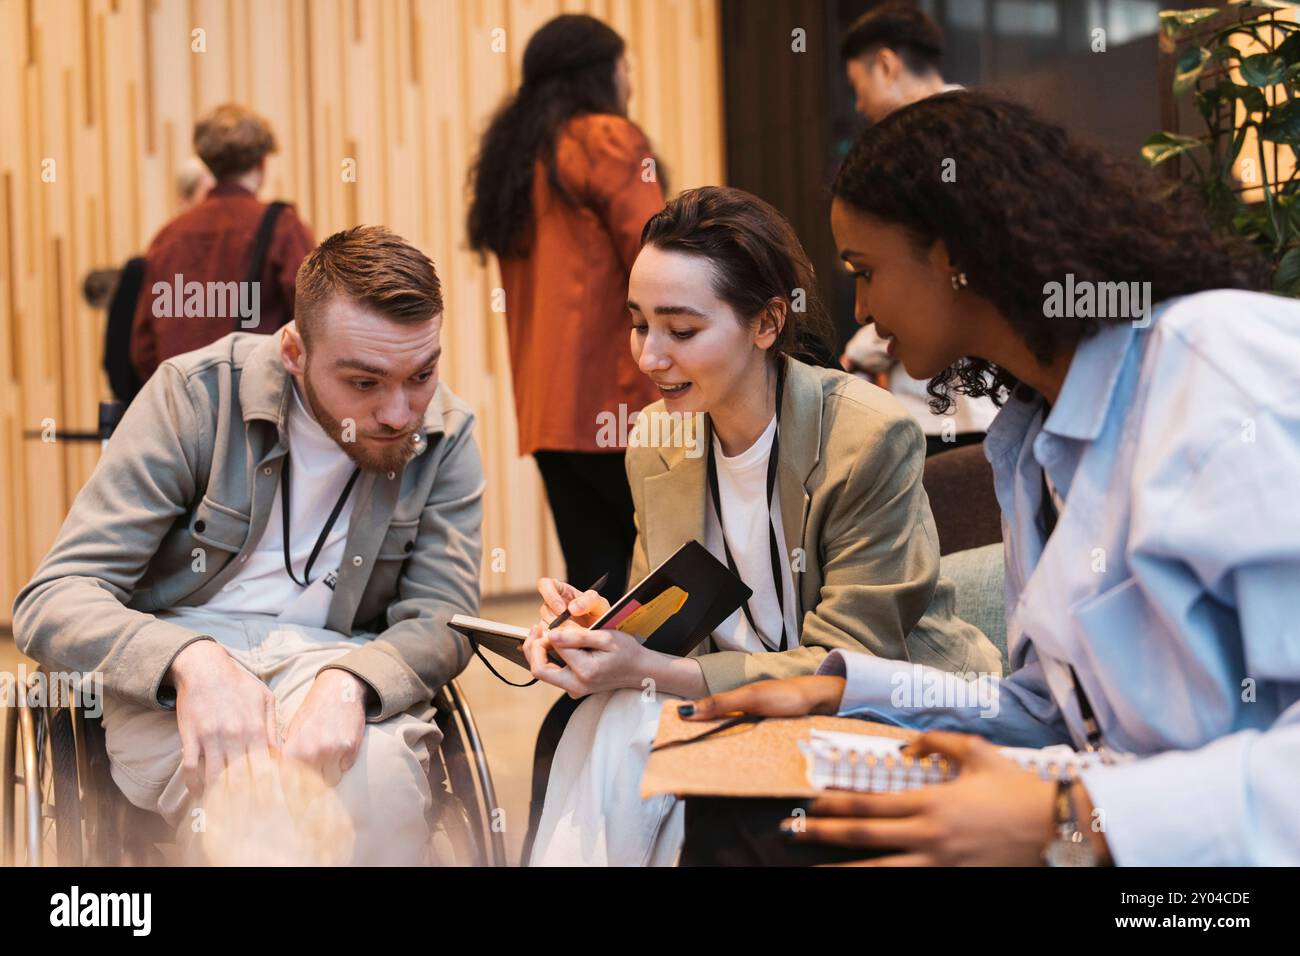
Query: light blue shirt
[{"x": 1171, "y": 584}]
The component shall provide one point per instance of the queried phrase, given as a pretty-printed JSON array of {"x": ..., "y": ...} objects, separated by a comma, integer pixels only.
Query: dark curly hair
[
  {"x": 1029, "y": 205},
  {"x": 756, "y": 258},
  {"x": 568, "y": 72}
]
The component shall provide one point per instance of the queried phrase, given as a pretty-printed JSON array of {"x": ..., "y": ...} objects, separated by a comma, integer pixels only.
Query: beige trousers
[{"x": 386, "y": 793}]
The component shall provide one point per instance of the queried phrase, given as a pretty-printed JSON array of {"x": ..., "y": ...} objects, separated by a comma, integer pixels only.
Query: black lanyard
[
  {"x": 329, "y": 525},
  {"x": 773, "y": 547}
]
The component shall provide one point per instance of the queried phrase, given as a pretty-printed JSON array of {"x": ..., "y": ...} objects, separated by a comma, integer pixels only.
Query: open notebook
[{"x": 672, "y": 609}]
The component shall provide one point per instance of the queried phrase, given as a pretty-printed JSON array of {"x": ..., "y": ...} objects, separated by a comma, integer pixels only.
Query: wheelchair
[
  {"x": 54, "y": 768},
  {"x": 60, "y": 806}
]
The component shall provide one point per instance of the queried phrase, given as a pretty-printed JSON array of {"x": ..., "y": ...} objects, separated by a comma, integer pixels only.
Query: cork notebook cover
[{"x": 749, "y": 760}]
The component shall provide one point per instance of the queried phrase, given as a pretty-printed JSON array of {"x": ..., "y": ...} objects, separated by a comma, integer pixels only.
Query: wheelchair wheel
[
  {"x": 455, "y": 842},
  {"x": 471, "y": 820},
  {"x": 8, "y": 783},
  {"x": 51, "y": 788}
]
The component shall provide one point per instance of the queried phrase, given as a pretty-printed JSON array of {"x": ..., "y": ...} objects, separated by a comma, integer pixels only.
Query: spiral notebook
[
  {"x": 866, "y": 762},
  {"x": 801, "y": 756}
]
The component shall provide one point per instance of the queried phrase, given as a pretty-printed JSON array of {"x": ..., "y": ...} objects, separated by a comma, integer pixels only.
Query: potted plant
[{"x": 1211, "y": 66}]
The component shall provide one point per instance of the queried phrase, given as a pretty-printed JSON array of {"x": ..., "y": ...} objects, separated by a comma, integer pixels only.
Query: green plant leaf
[
  {"x": 1251, "y": 97},
  {"x": 1206, "y": 101},
  {"x": 1162, "y": 146},
  {"x": 1263, "y": 69},
  {"x": 1282, "y": 124},
  {"x": 1287, "y": 277},
  {"x": 1175, "y": 23},
  {"x": 1225, "y": 51},
  {"x": 1289, "y": 49},
  {"x": 1188, "y": 68}
]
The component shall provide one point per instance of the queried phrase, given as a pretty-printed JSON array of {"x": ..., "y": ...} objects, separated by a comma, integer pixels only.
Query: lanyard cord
[
  {"x": 329, "y": 525},
  {"x": 775, "y": 549}
]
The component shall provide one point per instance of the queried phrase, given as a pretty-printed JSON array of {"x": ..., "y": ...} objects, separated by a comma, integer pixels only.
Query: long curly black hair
[
  {"x": 568, "y": 71},
  {"x": 1030, "y": 205}
]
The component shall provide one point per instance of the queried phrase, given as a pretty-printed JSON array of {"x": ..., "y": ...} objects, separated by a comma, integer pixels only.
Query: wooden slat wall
[{"x": 108, "y": 91}]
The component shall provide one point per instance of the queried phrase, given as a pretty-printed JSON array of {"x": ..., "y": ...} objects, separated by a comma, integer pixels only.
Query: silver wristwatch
[{"x": 1071, "y": 846}]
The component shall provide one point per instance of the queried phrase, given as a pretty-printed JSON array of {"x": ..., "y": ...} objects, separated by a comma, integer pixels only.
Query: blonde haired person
[{"x": 214, "y": 243}]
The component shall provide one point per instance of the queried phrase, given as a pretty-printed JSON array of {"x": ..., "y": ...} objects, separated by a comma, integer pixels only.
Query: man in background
[
  {"x": 216, "y": 243},
  {"x": 892, "y": 56}
]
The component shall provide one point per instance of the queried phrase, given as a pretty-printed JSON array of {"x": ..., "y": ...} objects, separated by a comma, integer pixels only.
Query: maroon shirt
[{"x": 213, "y": 243}]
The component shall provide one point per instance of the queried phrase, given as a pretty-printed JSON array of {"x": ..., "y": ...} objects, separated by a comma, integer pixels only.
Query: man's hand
[
  {"x": 788, "y": 697},
  {"x": 326, "y": 732},
  {"x": 993, "y": 814},
  {"x": 225, "y": 715}
]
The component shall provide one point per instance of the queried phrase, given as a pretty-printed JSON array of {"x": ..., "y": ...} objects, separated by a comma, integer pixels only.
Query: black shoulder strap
[{"x": 261, "y": 245}]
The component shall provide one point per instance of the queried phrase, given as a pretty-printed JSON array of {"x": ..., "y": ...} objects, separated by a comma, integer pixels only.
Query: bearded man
[{"x": 263, "y": 564}]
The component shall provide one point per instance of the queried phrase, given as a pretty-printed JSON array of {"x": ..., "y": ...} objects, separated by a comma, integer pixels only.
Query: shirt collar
[
  {"x": 1081, "y": 409},
  {"x": 1082, "y": 406},
  {"x": 229, "y": 188}
]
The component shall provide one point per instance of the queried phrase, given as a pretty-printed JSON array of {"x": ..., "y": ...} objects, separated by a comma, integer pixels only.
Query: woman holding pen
[{"x": 801, "y": 461}]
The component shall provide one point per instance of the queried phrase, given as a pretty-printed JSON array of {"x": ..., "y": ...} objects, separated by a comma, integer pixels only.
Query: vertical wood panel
[{"x": 109, "y": 90}]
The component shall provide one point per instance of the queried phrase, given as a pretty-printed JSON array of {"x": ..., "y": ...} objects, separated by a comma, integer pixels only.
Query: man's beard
[{"x": 391, "y": 457}]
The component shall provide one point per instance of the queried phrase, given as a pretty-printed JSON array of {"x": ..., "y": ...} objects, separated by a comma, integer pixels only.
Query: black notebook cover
[{"x": 713, "y": 595}]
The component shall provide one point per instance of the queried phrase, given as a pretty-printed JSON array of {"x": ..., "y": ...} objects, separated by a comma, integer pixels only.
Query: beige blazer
[{"x": 857, "y": 522}]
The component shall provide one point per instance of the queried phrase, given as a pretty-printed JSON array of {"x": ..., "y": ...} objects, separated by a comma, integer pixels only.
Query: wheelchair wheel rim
[{"x": 40, "y": 842}]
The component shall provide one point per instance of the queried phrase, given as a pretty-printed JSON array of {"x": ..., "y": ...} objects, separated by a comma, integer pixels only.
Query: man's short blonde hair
[
  {"x": 374, "y": 268},
  {"x": 232, "y": 139}
]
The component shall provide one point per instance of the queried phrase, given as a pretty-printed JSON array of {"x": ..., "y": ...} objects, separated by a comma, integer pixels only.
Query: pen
[{"x": 565, "y": 616}]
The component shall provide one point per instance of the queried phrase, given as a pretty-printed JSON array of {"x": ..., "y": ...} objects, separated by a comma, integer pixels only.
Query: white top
[
  {"x": 868, "y": 350},
  {"x": 319, "y": 471},
  {"x": 742, "y": 486}
]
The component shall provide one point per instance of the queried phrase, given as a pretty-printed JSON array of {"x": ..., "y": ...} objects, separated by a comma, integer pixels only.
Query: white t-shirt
[
  {"x": 318, "y": 472},
  {"x": 742, "y": 486}
]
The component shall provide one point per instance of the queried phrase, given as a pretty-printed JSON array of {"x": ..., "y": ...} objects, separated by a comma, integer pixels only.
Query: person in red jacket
[
  {"x": 563, "y": 185},
  {"x": 198, "y": 283}
]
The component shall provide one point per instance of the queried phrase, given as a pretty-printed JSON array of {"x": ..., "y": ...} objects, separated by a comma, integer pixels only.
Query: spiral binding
[
  {"x": 853, "y": 770},
  {"x": 831, "y": 767}
]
